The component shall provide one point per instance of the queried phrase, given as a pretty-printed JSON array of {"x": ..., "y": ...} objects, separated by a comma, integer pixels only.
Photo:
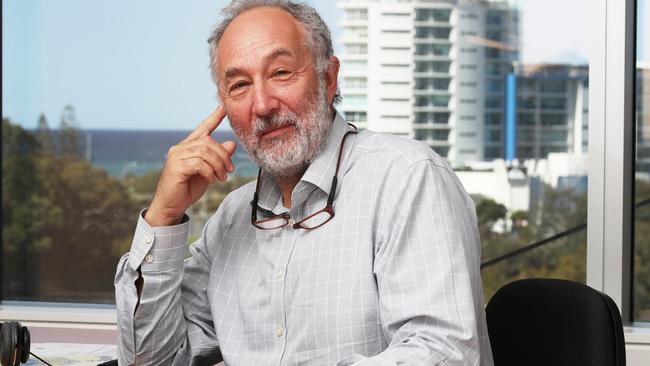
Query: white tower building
[{"x": 420, "y": 69}]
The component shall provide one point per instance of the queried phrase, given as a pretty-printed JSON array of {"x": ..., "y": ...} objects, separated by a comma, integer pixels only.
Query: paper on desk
[{"x": 60, "y": 354}]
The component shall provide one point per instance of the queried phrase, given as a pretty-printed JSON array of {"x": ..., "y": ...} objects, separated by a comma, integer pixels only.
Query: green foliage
[
  {"x": 22, "y": 209},
  {"x": 564, "y": 258},
  {"x": 641, "y": 279},
  {"x": 69, "y": 136},
  {"x": 64, "y": 223},
  {"x": 488, "y": 211}
]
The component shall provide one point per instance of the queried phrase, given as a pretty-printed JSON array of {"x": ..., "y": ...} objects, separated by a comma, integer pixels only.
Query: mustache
[{"x": 284, "y": 118}]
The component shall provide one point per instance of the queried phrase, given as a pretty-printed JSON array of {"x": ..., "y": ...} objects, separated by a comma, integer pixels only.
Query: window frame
[
  {"x": 611, "y": 177},
  {"x": 611, "y": 151}
]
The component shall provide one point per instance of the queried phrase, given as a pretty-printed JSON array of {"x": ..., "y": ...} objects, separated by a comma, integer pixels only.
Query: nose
[{"x": 265, "y": 101}]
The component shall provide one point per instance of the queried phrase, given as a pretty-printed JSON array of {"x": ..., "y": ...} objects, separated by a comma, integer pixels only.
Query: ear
[{"x": 331, "y": 78}]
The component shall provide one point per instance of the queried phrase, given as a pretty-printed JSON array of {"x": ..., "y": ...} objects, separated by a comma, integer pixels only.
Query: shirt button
[
  {"x": 279, "y": 275},
  {"x": 147, "y": 240},
  {"x": 148, "y": 258},
  {"x": 291, "y": 221},
  {"x": 279, "y": 331}
]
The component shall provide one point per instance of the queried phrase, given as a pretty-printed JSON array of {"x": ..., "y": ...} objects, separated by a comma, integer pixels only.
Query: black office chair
[{"x": 542, "y": 322}]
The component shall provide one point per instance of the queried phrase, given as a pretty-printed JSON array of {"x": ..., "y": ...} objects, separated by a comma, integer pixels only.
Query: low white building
[{"x": 510, "y": 185}]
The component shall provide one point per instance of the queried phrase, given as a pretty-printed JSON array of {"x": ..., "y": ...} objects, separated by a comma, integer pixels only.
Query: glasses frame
[{"x": 329, "y": 208}]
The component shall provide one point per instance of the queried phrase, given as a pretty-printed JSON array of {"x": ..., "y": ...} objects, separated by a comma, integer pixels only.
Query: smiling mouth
[{"x": 276, "y": 131}]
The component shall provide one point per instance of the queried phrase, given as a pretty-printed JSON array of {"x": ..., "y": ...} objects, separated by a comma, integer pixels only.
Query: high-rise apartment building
[
  {"x": 433, "y": 70},
  {"x": 550, "y": 111}
]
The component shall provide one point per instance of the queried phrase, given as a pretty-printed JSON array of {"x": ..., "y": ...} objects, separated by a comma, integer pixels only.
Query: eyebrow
[{"x": 277, "y": 53}]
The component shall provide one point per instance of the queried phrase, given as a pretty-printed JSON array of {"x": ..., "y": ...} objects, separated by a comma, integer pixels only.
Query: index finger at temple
[{"x": 208, "y": 125}]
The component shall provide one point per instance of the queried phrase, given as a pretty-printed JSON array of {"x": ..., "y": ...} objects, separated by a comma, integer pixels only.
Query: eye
[
  {"x": 280, "y": 72},
  {"x": 238, "y": 85}
]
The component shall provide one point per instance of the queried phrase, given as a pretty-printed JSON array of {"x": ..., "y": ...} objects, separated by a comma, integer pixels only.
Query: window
[
  {"x": 356, "y": 49},
  {"x": 124, "y": 177},
  {"x": 432, "y": 15},
  {"x": 354, "y": 66},
  {"x": 358, "y": 32},
  {"x": 554, "y": 205},
  {"x": 80, "y": 159},
  {"x": 432, "y": 117},
  {"x": 553, "y": 119},
  {"x": 353, "y": 82},
  {"x": 355, "y": 100},
  {"x": 494, "y": 118},
  {"x": 641, "y": 275},
  {"x": 356, "y": 14},
  {"x": 435, "y": 135},
  {"x": 553, "y": 103},
  {"x": 432, "y": 101},
  {"x": 355, "y": 117},
  {"x": 435, "y": 50},
  {"x": 527, "y": 119},
  {"x": 441, "y": 67}
]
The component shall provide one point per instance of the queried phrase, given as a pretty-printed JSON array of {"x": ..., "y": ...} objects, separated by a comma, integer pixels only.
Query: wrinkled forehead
[{"x": 258, "y": 32}]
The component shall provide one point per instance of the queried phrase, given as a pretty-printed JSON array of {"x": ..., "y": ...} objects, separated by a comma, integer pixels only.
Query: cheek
[
  {"x": 296, "y": 97},
  {"x": 241, "y": 127}
]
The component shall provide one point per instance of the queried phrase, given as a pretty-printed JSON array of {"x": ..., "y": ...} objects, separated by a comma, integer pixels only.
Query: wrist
[{"x": 155, "y": 217}]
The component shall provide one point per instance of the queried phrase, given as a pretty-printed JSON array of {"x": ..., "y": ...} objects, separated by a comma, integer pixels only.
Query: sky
[{"x": 127, "y": 64}]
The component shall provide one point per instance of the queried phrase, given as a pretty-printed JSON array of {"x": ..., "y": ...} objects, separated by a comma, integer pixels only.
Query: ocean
[{"x": 137, "y": 152}]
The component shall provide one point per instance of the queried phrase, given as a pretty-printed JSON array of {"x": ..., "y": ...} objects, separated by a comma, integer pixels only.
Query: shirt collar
[{"x": 319, "y": 173}]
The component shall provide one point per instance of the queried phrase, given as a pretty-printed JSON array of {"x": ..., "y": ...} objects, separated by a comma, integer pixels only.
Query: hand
[{"x": 191, "y": 166}]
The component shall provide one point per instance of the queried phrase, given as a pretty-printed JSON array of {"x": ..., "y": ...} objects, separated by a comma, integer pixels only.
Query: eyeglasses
[{"x": 310, "y": 222}]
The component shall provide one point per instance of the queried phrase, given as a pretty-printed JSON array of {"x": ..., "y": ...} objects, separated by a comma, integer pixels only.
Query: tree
[
  {"x": 69, "y": 136},
  {"x": 44, "y": 135},
  {"x": 22, "y": 210},
  {"x": 65, "y": 223},
  {"x": 565, "y": 258}
]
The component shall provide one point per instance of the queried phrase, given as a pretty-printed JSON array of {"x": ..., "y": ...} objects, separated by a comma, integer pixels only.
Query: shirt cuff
[{"x": 161, "y": 248}]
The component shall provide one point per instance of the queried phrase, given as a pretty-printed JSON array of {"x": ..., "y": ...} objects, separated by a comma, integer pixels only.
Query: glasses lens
[
  {"x": 272, "y": 223},
  {"x": 316, "y": 220}
]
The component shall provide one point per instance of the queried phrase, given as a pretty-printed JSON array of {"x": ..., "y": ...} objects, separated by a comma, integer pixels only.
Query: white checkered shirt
[{"x": 392, "y": 279}]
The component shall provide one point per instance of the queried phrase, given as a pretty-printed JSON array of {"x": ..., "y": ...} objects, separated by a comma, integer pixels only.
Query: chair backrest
[{"x": 554, "y": 322}]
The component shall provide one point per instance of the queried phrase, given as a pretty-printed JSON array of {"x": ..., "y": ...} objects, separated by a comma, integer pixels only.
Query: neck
[{"x": 287, "y": 184}]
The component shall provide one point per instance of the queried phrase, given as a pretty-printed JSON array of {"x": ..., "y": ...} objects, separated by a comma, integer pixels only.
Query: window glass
[
  {"x": 92, "y": 103},
  {"x": 641, "y": 267}
]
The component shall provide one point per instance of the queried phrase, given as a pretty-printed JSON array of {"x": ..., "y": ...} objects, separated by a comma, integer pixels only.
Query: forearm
[{"x": 151, "y": 325}]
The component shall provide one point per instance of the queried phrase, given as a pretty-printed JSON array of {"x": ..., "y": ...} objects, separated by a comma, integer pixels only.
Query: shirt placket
[{"x": 277, "y": 278}]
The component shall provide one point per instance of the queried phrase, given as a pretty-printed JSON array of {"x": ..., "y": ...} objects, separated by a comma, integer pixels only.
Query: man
[{"x": 350, "y": 248}]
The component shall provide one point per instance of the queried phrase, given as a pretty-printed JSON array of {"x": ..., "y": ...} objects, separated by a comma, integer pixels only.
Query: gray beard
[{"x": 289, "y": 154}]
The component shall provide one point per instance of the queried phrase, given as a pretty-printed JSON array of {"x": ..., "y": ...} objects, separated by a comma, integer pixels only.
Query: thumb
[{"x": 230, "y": 147}]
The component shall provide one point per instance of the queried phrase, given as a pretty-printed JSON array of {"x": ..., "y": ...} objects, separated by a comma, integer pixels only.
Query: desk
[{"x": 72, "y": 346}]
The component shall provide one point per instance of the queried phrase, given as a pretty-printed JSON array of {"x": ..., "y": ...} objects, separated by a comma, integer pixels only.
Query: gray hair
[{"x": 319, "y": 40}]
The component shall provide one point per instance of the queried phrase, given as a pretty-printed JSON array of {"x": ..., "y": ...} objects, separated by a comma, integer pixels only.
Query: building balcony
[
  {"x": 431, "y": 91},
  {"x": 430, "y": 74},
  {"x": 431, "y": 108},
  {"x": 353, "y": 22},
  {"x": 430, "y": 126},
  {"x": 431, "y": 40},
  {"x": 431, "y": 57}
]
